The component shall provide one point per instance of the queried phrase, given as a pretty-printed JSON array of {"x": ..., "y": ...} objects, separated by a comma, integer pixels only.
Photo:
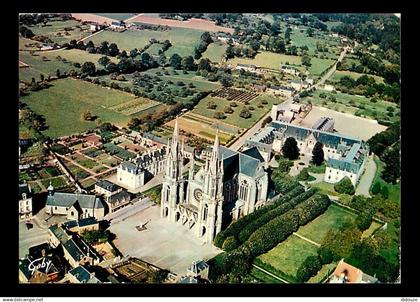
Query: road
[
  {"x": 367, "y": 178},
  {"x": 248, "y": 134},
  {"x": 130, "y": 210}
]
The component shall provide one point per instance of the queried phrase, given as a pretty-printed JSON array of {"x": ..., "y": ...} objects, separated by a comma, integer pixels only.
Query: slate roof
[
  {"x": 155, "y": 138},
  {"x": 198, "y": 266},
  {"x": 24, "y": 188},
  {"x": 131, "y": 167},
  {"x": 81, "y": 223},
  {"x": 107, "y": 185},
  {"x": 254, "y": 152},
  {"x": 85, "y": 201},
  {"x": 118, "y": 197},
  {"x": 234, "y": 162},
  {"x": 83, "y": 275},
  {"x": 281, "y": 87},
  {"x": 188, "y": 280}
]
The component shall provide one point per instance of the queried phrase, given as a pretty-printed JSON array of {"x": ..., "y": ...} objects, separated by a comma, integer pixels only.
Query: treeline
[{"x": 367, "y": 86}]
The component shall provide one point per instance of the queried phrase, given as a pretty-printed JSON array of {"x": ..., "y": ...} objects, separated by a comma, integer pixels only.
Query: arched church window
[{"x": 205, "y": 212}]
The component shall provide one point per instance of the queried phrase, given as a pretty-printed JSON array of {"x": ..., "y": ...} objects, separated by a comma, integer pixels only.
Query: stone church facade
[{"x": 230, "y": 185}]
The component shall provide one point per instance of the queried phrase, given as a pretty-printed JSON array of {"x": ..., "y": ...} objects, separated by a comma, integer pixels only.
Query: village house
[
  {"x": 38, "y": 270},
  {"x": 329, "y": 87},
  {"x": 76, "y": 250},
  {"x": 289, "y": 70},
  {"x": 115, "y": 196},
  {"x": 296, "y": 84},
  {"x": 285, "y": 91},
  {"x": 82, "y": 225},
  {"x": 25, "y": 202},
  {"x": 74, "y": 205},
  {"x": 118, "y": 25}
]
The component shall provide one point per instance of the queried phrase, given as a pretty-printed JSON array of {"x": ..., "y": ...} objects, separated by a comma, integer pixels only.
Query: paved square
[
  {"x": 344, "y": 123},
  {"x": 164, "y": 244}
]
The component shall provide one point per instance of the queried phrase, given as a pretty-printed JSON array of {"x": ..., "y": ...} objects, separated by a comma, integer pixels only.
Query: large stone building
[
  {"x": 134, "y": 174},
  {"x": 345, "y": 156},
  {"x": 230, "y": 185}
]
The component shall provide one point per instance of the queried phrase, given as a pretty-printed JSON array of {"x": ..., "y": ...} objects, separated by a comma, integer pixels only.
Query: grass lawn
[
  {"x": 353, "y": 104},
  {"x": 79, "y": 56},
  {"x": 153, "y": 50},
  {"x": 88, "y": 183},
  {"x": 289, "y": 255},
  {"x": 118, "y": 151},
  {"x": 338, "y": 74},
  {"x": 215, "y": 51},
  {"x": 269, "y": 60},
  {"x": 234, "y": 118},
  {"x": 319, "y": 65},
  {"x": 261, "y": 277},
  {"x": 55, "y": 30},
  {"x": 394, "y": 190},
  {"x": 333, "y": 218},
  {"x": 183, "y": 40},
  {"x": 64, "y": 102},
  {"x": 301, "y": 39},
  {"x": 87, "y": 163}
]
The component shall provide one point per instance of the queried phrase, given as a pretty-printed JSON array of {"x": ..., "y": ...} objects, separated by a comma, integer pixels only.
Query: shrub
[
  {"x": 376, "y": 188},
  {"x": 228, "y": 110},
  {"x": 303, "y": 175},
  {"x": 364, "y": 220},
  {"x": 385, "y": 192},
  {"x": 344, "y": 186},
  {"x": 219, "y": 115},
  {"x": 284, "y": 165},
  {"x": 230, "y": 244}
]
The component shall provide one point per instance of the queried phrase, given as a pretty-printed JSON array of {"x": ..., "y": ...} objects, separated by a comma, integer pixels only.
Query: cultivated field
[
  {"x": 269, "y": 60},
  {"x": 301, "y": 39},
  {"x": 204, "y": 127},
  {"x": 183, "y": 40},
  {"x": 62, "y": 110},
  {"x": 116, "y": 16},
  {"x": 93, "y": 18},
  {"x": 192, "y": 23}
]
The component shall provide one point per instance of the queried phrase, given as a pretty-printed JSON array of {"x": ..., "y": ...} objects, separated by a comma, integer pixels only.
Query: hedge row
[
  {"x": 281, "y": 209},
  {"x": 234, "y": 228},
  {"x": 279, "y": 228},
  {"x": 284, "y": 183}
]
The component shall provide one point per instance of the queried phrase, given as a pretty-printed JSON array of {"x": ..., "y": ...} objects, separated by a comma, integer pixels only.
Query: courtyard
[
  {"x": 164, "y": 244},
  {"x": 344, "y": 123}
]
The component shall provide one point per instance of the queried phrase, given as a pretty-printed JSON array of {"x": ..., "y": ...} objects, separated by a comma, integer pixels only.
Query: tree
[
  {"x": 187, "y": 63},
  {"x": 89, "y": 68},
  {"x": 385, "y": 192},
  {"x": 162, "y": 60},
  {"x": 57, "y": 73},
  {"x": 211, "y": 105},
  {"x": 364, "y": 220},
  {"x": 228, "y": 110},
  {"x": 156, "y": 277},
  {"x": 87, "y": 115},
  {"x": 303, "y": 175},
  {"x": 113, "y": 50},
  {"x": 306, "y": 60},
  {"x": 392, "y": 170},
  {"x": 284, "y": 165},
  {"x": 290, "y": 149},
  {"x": 344, "y": 186},
  {"x": 309, "y": 267},
  {"x": 219, "y": 115},
  {"x": 245, "y": 113},
  {"x": 318, "y": 154},
  {"x": 226, "y": 80},
  {"x": 230, "y": 53},
  {"x": 175, "y": 61},
  {"x": 104, "y": 61},
  {"x": 230, "y": 244},
  {"x": 204, "y": 64}
]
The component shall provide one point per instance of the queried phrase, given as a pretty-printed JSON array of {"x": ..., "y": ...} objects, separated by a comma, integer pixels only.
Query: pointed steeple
[
  {"x": 176, "y": 131},
  {"x": 215, "y": 154},
  {"x": 50, "y": 189}
]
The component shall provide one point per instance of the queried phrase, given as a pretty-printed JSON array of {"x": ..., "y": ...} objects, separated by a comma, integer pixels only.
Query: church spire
[{"x": 215, "y": 154}]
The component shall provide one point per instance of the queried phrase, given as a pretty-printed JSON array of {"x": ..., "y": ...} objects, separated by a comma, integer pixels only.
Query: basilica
[{"x": 229, "y": 185}]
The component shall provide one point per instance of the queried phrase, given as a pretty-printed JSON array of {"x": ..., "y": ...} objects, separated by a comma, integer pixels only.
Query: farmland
[
  {"x": 116, "y": 16},
  {"x": 215, "y": 51},
  {"x": 269, "y": 60},
  {"x": 62, "y": 110},
  {"x": 338, "y": 74},
  {"x": 183, "y": 40},
  {"x": 61, "y": 31}
]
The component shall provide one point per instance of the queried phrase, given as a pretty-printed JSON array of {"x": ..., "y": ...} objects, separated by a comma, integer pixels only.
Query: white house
[
  {"x": 25, "y": 202},
  {"x": 285, "y": 91}
]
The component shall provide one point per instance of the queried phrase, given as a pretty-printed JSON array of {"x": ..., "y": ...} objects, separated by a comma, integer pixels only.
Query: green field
[
  {"x": 301, "y": 39},
  {"x": 333, "y": 218},
  {"x": 62, "y": 110},
  {"x": 79, "y": 56},
  {"x": 318, "y": 66},
  {"x": 38, "y": 65},
  {"x": 323, "y": 273},
  {"x": 234, "y": 118},
  {"x": 116, "y": 16},
  {"x": 215, "y": 51},
  {"x": 55, "y": 30},
  {"x": 353, "y": 104},
  {"x": 338, "y": 74},
  {"x": 328, "y": 189},
  {"x": 57, "y": 182},
  {"x": 269, "y": 60},
  {"x": 183, "y": 40},
  {"x": 289, "y": 255}
]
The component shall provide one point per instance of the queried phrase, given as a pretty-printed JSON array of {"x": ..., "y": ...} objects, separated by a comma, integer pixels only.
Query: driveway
[{"x": 367, "y": 178}]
